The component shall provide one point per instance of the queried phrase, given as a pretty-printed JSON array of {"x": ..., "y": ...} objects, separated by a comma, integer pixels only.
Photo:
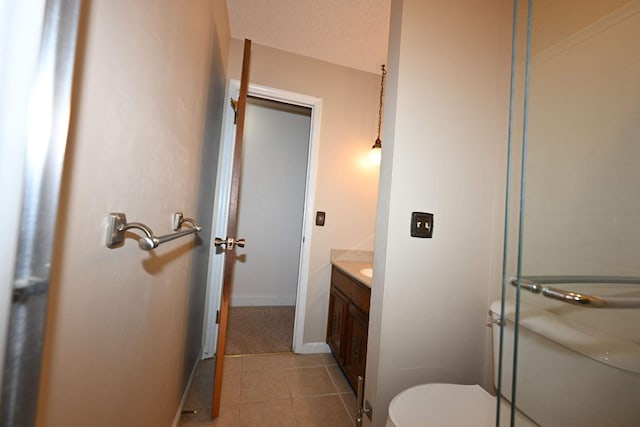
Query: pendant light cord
[{"x": 384, "y": 73}]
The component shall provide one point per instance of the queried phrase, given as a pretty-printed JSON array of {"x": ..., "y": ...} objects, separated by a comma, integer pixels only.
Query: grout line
[
  {"x": 349, "y": 414},
  {"x": 326, "y": 368},
  {"x": 317, "y": 395},
  {"x": 344, "y": 404},
  {"x": 259, "y": 354},
  {"x": 304, "y": 367},
  {"x": 293, "y": 409}
]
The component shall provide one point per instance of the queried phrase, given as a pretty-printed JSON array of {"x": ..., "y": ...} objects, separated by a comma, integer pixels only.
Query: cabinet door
[
  {"x": 338, "y": 306},
  {"x": 356, "y": 351}
]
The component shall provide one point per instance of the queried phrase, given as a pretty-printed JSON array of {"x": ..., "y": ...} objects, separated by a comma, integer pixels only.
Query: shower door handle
[{"x": 534, "y": 285}]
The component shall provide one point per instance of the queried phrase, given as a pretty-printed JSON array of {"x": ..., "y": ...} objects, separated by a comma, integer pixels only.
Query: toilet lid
[{"x": 443, "y": 405}]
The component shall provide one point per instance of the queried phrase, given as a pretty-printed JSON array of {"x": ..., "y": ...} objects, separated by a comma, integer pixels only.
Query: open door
[{"x": 230, "y": 242}]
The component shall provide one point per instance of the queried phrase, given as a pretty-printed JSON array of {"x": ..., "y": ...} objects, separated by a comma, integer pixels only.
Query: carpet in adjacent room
[{"x": 263, "y": 329}]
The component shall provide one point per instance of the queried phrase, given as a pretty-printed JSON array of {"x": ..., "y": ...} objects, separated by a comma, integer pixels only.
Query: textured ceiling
[{"x": 353, "y": 33}]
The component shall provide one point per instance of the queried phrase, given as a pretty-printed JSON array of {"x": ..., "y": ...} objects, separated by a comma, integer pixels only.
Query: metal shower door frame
[{"x": 47, "y": 124}]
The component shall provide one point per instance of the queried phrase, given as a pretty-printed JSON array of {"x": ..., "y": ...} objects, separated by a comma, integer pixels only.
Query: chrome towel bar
[
  {"x": 534, "y": 284},
  {"x": 118, "y": 225}
]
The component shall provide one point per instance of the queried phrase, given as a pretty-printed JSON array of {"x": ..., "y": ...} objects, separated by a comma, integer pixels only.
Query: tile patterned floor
[{"x": 280, "y": 390}]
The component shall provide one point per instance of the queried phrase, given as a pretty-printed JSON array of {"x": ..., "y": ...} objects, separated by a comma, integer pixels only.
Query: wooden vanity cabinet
[
  {"x": 348, "y": 324},
  {"x": 338, "y": 307}
]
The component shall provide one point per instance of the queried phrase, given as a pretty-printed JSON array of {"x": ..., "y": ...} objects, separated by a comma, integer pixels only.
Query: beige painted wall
[
  {"x": 124, "y": 326},
  {"x": 583, "y": 169},
  {"x": 346, "y": 185},
  {"x": 445, "y": 153}
]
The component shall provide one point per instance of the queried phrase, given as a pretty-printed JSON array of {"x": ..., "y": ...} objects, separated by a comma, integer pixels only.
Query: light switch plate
[{"x": 422, "y": 225}]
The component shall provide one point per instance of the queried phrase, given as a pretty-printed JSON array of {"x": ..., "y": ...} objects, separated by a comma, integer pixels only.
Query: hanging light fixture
[{"x": 376, "y": 151}]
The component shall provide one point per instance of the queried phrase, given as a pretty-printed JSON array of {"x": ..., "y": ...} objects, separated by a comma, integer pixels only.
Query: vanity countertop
[{"x": 352, "y": 268}]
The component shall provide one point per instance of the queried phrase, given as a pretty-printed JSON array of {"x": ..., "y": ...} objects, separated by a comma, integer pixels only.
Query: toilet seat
[{"x": 447, "y": 405}]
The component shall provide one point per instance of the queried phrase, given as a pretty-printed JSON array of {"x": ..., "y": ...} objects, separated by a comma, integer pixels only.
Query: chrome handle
[
  {"x": 229, "y": 242},
  {"x": 574, "y": 298},
  {"x": 533, "y": 284},
  {"x": 580, "y": 279},
  {"x": 527, "y": 284}
]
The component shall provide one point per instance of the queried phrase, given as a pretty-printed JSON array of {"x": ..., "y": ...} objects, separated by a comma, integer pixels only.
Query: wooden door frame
[{"x": 221, "y": 206}]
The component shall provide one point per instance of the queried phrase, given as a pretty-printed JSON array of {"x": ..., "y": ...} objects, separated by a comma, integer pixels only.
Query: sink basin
[{"x": 367, "y": 272}]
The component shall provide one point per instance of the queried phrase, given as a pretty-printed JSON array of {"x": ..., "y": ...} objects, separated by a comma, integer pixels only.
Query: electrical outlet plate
[{"x": 421, "y": 224}]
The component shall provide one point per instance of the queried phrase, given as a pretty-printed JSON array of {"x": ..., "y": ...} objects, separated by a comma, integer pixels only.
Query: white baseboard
[
  {"x": 185, "y": 393},
  {"x": 313, "y": 347},
  {"x": 251, "y": 301}
]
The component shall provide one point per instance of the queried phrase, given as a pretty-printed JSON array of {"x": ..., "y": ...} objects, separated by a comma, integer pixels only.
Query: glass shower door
[{"x": 572, "y": 310}]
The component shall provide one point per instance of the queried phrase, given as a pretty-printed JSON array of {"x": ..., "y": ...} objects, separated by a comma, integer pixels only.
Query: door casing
[{"x": 221, "y": 206}]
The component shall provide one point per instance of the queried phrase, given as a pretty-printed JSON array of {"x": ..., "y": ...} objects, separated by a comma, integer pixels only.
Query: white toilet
[
  {"x": 452, "y": 405},
  {"x": 554, "y": 343}
]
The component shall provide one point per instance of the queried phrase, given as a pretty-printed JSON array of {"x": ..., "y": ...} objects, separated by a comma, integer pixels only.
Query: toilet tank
[{"x": 570, "y": 371}]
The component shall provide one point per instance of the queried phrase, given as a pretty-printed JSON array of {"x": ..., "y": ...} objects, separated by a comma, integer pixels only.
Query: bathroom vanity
[{"x": 348, "y": 321}]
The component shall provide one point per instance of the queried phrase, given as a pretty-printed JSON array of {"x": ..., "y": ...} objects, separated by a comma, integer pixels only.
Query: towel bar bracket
[{"x": 115, "y": 236}]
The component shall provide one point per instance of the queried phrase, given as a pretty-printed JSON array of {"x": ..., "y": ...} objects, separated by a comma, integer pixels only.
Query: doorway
[
  {"x": 270, "y": 218},
  {"x": 275, "y": 216}
]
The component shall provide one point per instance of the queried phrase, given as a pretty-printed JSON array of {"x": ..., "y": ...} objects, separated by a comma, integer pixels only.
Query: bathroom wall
[
  {"x": 346, "y": 184},
  {"x": 124, "y": 326},
  {"x": 582, "y": 204},
  {"x": 445, "y": 153}
]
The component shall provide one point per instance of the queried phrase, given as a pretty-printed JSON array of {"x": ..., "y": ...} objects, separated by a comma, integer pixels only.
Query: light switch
[{"x": 421, "y": 225}]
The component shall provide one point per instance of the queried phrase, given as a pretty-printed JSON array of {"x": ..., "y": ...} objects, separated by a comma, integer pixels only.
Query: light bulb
[{"x": 375, "y": 155}]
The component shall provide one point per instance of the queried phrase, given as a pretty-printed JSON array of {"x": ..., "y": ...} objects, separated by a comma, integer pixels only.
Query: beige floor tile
[
  {"x": 200, "y": 393},
  {"x": 349, "y": 401},
  {"x": 229, "y": 417},
  {"x": 329, "y": 360},
  {"x": 265, "y": 362},
  {"x": 258, "y": 386},
  {"x": 258, "y": 390},
  {"x": 275, "y": 413},
  {"x": 232, "y": 365},
  {"x": 206, "y": 367},
  {"x": 309, "y": 381},
  {"x": 230, "y": 389},
  {"x": 306, "y": 360},
  {"x": 338, "y": 379},
  {"x": 321, "y": 411}
]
